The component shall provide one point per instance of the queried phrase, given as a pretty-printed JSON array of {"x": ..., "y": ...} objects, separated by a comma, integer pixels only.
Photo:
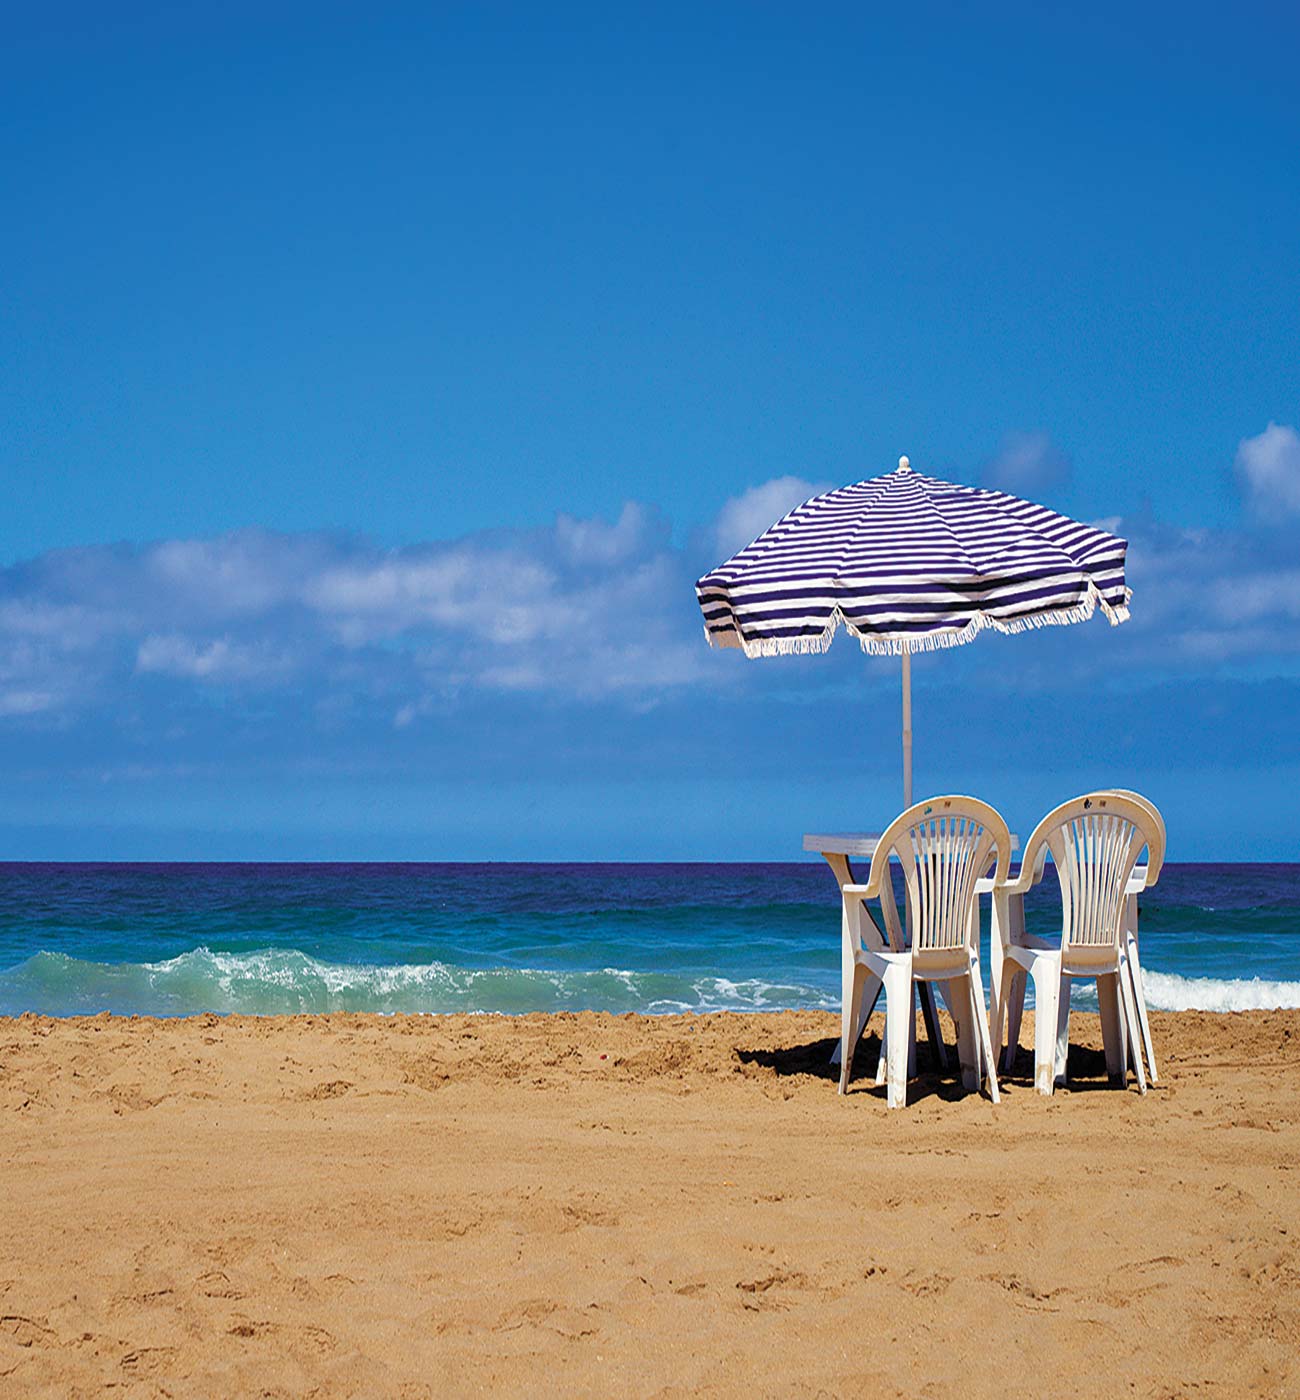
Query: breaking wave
[
  {"x": 280, "y": 981},
  {"x": 1166, "y": 991}
]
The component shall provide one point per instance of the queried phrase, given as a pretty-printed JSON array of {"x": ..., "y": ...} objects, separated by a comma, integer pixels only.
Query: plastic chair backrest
[
  {"x": 1095, "y": 841},
  {"x": 944, "y": 844},
  {"x": 1155, "y": 859}
]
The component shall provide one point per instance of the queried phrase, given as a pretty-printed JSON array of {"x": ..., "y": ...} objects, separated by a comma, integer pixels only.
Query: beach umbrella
[{"x": 905, "y": 563}]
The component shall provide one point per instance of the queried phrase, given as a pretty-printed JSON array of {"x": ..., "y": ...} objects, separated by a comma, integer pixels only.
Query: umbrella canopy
[{"x": 909, "y": 563}]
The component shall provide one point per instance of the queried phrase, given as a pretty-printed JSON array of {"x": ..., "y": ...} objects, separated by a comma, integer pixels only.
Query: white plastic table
[{"x": 837, "y": 848}]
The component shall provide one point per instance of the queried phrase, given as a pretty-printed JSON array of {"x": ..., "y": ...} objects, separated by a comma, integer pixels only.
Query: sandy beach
[{"x": 586, "y": 1204}]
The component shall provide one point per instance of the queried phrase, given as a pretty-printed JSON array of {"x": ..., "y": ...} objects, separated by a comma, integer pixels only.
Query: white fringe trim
[{"x": 875, "y": 645}]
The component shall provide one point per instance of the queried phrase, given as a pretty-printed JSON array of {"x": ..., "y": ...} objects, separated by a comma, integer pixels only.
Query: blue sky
[{"x": 374, "y": 383}]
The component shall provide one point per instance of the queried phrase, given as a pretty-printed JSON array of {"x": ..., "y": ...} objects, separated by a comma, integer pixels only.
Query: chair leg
[
  {"x": 956, "y": 998},
  {"x": 997, "y": 1002},
  {"x": 1013, "y": 1006},
  {"x": 1132, "y": 1043},
  {"x": 900, "y": 1029},
  {"x": 911, "y": 1032},
  {"x": 1112, "y": 1026},
  {"x": 1015, "y": 1014},
  {"x": 851, "y": 1006},
  {"x": 968, "y": 1047},
  {"x": 1139, "y": 996},
  {"x": 998, "y": 997},
  {"x": 1062, "y": 1030},
  {"x": 930, "y": 1013},
  {"x": 1129, "y": 1009},
  {"x": 882, "y": 1062},
  {"x": 1047, "y": 991},
  {"x": 981, "y": 1028},
  {"x": 870, "y": 995},
  {"x": 997, "y": 956}
]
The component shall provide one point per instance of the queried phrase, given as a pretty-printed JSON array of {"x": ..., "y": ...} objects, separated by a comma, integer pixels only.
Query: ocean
[{"x": 174, "y": 940}]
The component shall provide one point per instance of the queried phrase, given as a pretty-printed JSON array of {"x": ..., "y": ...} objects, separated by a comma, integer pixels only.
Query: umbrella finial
[{"x": 904, "y": 465}]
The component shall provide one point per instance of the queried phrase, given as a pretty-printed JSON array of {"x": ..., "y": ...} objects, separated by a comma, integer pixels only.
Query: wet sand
[{"x": 596, "y": 1205}]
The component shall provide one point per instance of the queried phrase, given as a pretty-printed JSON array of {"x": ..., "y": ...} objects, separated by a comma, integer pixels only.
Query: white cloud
[
  {"x": 1027, "y": 463},
  {"x": 746, "y": 516},
  {"x": 58, "y": 622},
  {"x": 1268, "y": 470},
  {"x": 1211, "y": 595},
  {"x": 590, "y": 608},
  {"x": 596, "y": 542},
  {"x": 25, "y": 702},
  {"x": 1250, "y": 597},
  {"x": 245, "y": 572},
  {"x": 494, "y": 593},
  {"x": 217, "y": 660}
]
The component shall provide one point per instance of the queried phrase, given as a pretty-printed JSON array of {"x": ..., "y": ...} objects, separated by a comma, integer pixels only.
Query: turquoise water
[{"x": 179, "y": 939}]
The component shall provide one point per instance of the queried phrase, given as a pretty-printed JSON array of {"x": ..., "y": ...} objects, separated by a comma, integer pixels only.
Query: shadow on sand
[{"x": 1086, "y": 1068}]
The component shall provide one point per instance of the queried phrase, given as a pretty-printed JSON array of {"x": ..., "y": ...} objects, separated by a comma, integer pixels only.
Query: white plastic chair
[
  {"x": 1095, "y": 841},
  {"x": 1143, "y": 877},
  {"x": 945, "y": 845}
]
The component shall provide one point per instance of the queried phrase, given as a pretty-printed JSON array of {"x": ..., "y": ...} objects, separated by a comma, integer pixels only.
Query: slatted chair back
[
  {"x": 944, "y": 845},
  {"x": 1154, "y": 859},
  {"x": 1095, "y": 841}
]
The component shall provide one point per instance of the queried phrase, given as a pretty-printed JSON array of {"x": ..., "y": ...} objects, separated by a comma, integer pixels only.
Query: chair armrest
[
  {"x": 1032, "y": 869},
  {"x": 1020, "y": 886},
  {"x": 852, "y": 898}
]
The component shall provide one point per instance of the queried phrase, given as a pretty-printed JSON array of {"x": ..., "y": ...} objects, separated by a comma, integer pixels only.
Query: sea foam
[
  {"x": 1166, "y": 991},
  {"x": 283, "y": 981},
  {"x": 273, "y": 981}
]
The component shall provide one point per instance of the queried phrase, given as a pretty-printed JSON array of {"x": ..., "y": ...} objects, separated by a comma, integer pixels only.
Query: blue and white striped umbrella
[{"x": 909, "y": 563}]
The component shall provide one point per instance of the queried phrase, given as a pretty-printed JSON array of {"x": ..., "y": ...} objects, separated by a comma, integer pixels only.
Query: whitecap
[
  {"x": 285, "y": 980},
  {"x": 1166, "y": 991}
]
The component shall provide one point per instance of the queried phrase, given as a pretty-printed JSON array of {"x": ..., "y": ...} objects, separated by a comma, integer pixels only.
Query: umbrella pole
[
  {"x": 907, "y": 729},
  {"x": 929, "y": 1010}
]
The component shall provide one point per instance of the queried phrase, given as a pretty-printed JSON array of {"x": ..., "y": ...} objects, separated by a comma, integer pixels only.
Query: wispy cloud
[
  {"x": 1268, "y": 470},
  {"x": 1027, "y": 463},
  {"x": 1209, "y": 596},
  {"x": 583, "y": 611},
  {"x": 746, "y": 516},
  {"x": 26, "y": 702},
  {"x": 587, "y": 607},
  {"x": 220, "y": 659}
]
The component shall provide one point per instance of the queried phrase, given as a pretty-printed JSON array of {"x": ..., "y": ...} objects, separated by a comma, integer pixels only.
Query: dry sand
[{"x": 598, "y": 1205}]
